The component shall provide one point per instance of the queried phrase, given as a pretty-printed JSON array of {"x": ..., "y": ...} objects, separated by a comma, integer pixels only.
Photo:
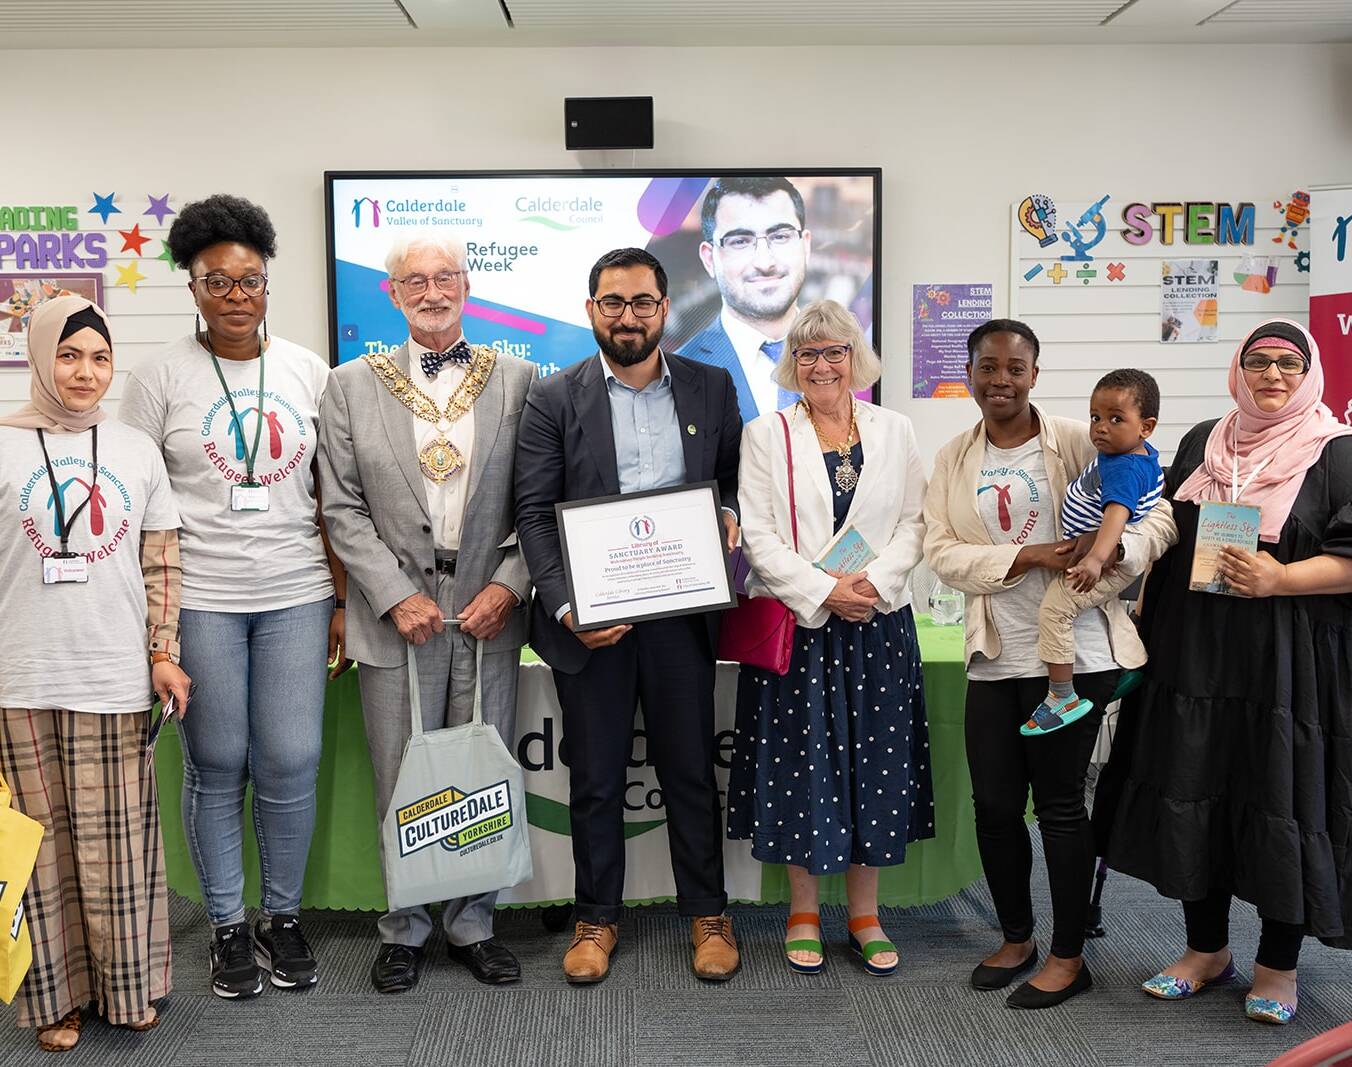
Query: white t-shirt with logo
[
  {"x": 78, "y": 646},
  {"x": 1014, "y": 499},
  {"x": 238, "y": 560}
]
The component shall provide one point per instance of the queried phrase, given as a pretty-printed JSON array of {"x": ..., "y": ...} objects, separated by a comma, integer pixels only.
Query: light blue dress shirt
[{"x": 648, "y": 449}]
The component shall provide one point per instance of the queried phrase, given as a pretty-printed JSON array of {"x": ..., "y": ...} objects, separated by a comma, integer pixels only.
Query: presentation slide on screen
[{"x": 774, "y": 240}]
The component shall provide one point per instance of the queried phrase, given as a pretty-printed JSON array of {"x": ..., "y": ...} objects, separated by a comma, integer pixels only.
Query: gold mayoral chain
[
  {"x": 846, "y": 476},
  {"x": 439, "y": 459}
]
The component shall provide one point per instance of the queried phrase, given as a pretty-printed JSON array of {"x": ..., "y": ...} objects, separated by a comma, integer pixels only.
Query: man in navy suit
[
  {"x": 756, "y": 247},
  {"x": 625, "y": 420}
]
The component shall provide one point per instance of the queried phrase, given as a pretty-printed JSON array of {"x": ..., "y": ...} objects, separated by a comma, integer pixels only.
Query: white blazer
[{"x": 887, "y": 509}]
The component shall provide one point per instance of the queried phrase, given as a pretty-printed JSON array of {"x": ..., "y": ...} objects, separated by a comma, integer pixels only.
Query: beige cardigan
[{"x": 959, "y": 550}]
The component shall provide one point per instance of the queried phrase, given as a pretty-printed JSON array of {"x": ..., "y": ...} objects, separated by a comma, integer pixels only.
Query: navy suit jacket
[
  {"x": 713, "y": 346},
  {"x": 565, "y": 450}
]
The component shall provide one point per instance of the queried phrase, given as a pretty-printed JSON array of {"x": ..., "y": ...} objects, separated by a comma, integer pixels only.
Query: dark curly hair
[
  {"x": 1142, "y": 387},
  {"x": 219, "y": 218}
]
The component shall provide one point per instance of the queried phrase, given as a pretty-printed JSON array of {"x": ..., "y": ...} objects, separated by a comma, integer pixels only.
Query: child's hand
[{"x": 1085, "y": 574}]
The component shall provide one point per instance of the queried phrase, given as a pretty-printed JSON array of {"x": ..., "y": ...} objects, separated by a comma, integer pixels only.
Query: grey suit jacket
[{"x": 375, "y": 506}]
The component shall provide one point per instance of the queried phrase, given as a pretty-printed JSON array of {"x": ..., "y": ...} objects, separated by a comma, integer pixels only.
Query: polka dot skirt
[{"x": 831, "y": 764}]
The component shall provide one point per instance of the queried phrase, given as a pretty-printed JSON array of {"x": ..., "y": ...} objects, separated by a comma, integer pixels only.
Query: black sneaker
[
  {"x": 234, "y": 975},
  {"x": 280, "y": 947}
]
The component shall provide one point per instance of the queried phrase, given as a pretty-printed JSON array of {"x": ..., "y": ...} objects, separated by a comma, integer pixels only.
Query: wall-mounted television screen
[{"x": 743, "y": 250}]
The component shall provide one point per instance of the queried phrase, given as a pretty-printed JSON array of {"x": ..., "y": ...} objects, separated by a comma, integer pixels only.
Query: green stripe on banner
[
  {"x": 551, "y": 223},
  {"x": 553, "y": 816}
]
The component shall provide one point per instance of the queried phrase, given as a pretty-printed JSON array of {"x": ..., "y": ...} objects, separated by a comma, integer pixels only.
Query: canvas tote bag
[
  {"x": 20, "y": 837},
  {"x": 456, "y": 826}
]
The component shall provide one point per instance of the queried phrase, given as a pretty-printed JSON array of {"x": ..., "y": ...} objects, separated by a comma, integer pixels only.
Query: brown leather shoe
[
  {"x": 588, "y": 957},
  {"x": 716, "y": 956}
]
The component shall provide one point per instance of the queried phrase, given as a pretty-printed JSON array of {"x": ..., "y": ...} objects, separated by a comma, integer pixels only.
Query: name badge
[
  {"x": 249, "y": 498},
  {"x": 59, "y": 569}
]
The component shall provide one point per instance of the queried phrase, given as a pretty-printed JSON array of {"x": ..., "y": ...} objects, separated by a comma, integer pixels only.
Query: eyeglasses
[
  {"x": 806, "y": 357},
  {"x": 612, "y": 307},
  {"x": 222, "y": 285},
  {"x": 1286, "y": 364},
  {"x": 448, "y": 281},
  {"x": 742, "y": 242}
]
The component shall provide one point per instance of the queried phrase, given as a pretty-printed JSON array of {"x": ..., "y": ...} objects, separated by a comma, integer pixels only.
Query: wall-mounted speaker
[{"x": 607, "y": 122}]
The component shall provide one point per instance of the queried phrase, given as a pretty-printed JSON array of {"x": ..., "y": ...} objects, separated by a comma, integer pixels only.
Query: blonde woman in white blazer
[{"x": 831, "y": 767}]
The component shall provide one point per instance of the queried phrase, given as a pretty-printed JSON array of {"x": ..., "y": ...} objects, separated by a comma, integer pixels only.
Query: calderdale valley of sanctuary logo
[{"x": 457, "y": 820}]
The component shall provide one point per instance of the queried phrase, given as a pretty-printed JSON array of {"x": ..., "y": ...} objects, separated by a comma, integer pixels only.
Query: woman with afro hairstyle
[{"x": 235, "y": 413}]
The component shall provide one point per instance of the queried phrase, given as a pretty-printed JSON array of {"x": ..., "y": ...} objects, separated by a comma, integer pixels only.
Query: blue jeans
[{"x": 257, "y": 715}]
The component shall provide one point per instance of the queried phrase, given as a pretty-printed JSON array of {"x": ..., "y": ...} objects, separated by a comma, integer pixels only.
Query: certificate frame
[{"x": 593, "y": 608}]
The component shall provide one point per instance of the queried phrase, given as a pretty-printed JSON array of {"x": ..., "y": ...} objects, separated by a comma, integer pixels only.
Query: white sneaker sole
[{"x": 265, "y": 961}]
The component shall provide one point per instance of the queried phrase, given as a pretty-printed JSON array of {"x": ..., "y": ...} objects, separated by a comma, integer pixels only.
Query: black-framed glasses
[
  {"x": 448, "y": 281},
  {"x": 644, "y": 307},
  {"x": 780, "y": 239},
  {"x": 222, "y": 285},
  {"x": 806, "y": 357},
  {"x": 1286, "y": 364}
]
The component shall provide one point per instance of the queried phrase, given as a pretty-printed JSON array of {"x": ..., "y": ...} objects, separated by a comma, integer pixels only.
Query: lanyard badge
[
  {"x": 248, "y": 495},
  {"x": 66, "y": 566}
]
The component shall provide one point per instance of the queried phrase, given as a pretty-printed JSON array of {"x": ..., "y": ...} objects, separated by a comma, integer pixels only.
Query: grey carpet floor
[{"x": 652, "y": 1011}]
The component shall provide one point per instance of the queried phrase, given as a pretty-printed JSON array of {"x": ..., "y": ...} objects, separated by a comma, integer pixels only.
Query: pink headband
[{"x": 1276, "y": 342}]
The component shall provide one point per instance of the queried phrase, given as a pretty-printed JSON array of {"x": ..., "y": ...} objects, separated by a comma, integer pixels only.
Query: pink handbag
[{"x": 759, "y": 631}]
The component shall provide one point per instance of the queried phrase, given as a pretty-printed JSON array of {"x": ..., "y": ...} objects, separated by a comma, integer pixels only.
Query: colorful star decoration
[
  {"x": 167, "y": 256},
  {"x": 129, "y": 276},
  {"x": 159, "y": 207},
  {"x": 104, "y": 206},
  {"x": 133, "y": 240}
]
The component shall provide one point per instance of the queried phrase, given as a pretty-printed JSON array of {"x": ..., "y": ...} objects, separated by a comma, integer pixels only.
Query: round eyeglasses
[
  {"x": 222, "y": 285},
  {"x": 1286, "y": 364},
  {"x": 806, "y": 357},
  {"x": 448, "y": 281}
]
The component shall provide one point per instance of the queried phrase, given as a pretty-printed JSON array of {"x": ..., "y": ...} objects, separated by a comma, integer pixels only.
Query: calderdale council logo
[
  {"x": 357, "y": 212},
  {"x": 455, "y": 819}
]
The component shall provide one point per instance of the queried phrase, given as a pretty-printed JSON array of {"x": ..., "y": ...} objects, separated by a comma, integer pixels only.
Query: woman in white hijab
[{"x": 89, "y": 609}]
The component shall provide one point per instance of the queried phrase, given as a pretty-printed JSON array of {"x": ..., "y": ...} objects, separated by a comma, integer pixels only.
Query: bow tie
[{"x": 458, "y": 353}]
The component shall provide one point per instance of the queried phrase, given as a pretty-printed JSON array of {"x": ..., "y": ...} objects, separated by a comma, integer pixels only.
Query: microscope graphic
[{"x": 1075, "y": 231}]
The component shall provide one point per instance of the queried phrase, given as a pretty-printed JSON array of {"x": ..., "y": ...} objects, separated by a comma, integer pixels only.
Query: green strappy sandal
[
  {"x": 805, "y": 944},
  {"x": 873, "y": 948}
]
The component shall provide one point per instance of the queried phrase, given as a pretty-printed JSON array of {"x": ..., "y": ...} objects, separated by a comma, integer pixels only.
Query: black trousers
[
  {"x": 1208, "y": 922},
  {"x": 668, "y": 667},
  {"x": 1004, "y": 765}
]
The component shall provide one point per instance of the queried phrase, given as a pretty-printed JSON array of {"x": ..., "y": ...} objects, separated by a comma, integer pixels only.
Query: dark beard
[{"x": 622, "y": 355}]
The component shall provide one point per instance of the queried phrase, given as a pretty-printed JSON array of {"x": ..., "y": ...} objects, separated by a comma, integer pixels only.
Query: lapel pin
[{"x": 690, "y": 429}]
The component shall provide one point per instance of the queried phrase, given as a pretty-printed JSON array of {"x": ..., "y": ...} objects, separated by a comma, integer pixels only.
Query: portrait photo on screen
[{"x": 743, "y": 251}]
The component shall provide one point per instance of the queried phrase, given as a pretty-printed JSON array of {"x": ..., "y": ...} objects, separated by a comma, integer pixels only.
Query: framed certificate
[{"x": 648, "y": 555}]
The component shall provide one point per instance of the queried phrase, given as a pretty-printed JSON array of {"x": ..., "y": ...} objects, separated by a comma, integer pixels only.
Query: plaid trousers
[{"x": 97, "y": 906}]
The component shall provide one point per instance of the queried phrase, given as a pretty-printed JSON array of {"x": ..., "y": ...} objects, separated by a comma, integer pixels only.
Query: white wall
[{"x": 960, "y": 133}]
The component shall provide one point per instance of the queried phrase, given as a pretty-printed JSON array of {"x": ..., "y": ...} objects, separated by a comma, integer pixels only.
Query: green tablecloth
[{"x": 343, "y": 871}]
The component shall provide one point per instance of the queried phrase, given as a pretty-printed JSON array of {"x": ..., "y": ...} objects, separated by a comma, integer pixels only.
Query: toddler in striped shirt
[{"x": 1118, "y": 488}]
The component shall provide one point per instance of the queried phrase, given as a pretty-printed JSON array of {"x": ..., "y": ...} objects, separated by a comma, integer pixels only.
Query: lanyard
[
  {"x": 63, "y": 527},
  {"x": 250, "y": 454},
  {"x": 1237, "y": 490}
]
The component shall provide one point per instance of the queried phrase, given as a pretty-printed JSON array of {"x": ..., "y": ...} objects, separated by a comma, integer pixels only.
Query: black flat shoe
[
  {"x": 396, "y": 968},
  {"x": 985, "y": 977},
  {"x": 489, "y": 962},
  {"x": 1029, "y": 996}
]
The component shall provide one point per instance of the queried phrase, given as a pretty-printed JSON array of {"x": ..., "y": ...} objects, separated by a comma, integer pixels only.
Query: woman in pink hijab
[
  {"x": 89, "y": 610},
  {"x": 1231, "y": 774}
]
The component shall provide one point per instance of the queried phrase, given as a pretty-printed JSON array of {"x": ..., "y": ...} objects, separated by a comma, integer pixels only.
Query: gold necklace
[
  {"x": 846, "y": 476},
  {"x": 439, "y": 459}
]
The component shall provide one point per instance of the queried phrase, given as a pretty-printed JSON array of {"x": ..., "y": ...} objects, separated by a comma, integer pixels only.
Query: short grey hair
[
  {"x": 826, "y": 320},
  {"x": 440, "y": 239}
]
